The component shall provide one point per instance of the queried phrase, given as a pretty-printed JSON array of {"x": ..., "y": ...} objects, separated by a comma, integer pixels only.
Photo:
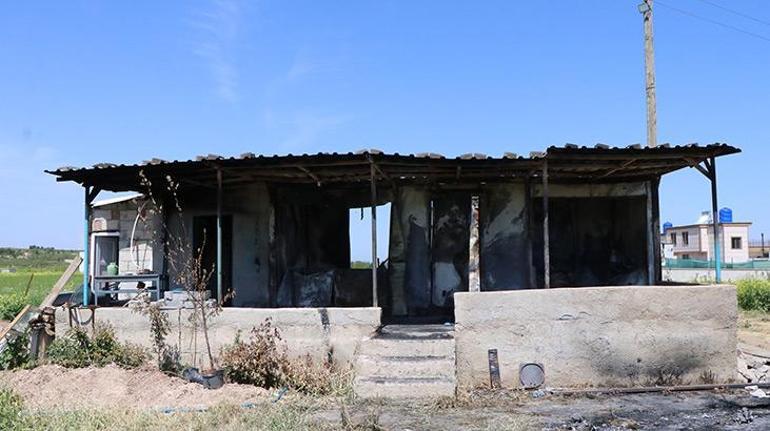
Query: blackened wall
[
  {"x": 594, "y": 241},
  {"x": 504, "y": 247}
]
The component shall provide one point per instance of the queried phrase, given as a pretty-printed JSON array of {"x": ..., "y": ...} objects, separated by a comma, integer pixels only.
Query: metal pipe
[
  {"x": 86, "y": 243},
  {"x": 648, "y": 389},
  {"x": 373, "y": 190},
  {"x": 219, "y": 236},
  {"x": 546, "y": 235},
  {"x": 715, "y": 221}
]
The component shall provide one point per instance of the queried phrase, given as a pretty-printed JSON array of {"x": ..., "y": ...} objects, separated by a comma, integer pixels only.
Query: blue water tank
[
  {"x": 725, "y": 215},
  {"x": 667, "y": 225}
]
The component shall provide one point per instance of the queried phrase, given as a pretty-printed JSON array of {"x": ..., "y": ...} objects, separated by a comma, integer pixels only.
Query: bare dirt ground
[
  {"x": 51, "y": 386},
  {"x": 148, "y": 390},
  {"x": 754, "y": 331},
  {"x": 718, "y": 410}
]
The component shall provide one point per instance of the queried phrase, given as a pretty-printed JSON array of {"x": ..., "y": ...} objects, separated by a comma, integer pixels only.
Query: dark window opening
[
  {"x": 736, "y": 243},
  {"x": 685, "y": 238}
]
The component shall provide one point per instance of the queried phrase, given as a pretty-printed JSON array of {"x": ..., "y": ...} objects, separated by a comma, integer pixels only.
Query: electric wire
[
  {"x": 713, "y": 21},
  {"x": 735, "y": 12}
]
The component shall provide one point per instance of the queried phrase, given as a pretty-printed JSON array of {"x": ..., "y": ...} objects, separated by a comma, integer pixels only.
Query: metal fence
[{"x": 694, "y": 263}]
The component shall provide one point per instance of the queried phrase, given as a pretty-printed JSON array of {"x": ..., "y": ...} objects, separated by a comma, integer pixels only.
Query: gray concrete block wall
[
  {"x": 313, "y": 331},
  {"x": 120, "y": 218},
  {"x": 603, "y": 336}
]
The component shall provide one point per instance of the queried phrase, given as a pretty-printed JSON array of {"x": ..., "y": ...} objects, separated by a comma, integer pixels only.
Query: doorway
[{"x": 205, "y": 242}]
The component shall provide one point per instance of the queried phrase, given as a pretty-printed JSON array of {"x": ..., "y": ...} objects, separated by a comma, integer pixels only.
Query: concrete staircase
[{"x": 407, "y": 361}]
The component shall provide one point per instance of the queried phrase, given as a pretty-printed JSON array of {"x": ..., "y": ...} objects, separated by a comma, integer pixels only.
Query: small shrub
[
  {"x": 79, "y": 349},
  {"x": 754, "y": 294},
  {"x": 11, "y": 410},
  {"x": 16, "y": 353},
  {"x": 11, "y": 305},
  {"x": 167, "y": 356},
  {"x": 311, "y": 377},
  {"x": 260, "y": 361}
]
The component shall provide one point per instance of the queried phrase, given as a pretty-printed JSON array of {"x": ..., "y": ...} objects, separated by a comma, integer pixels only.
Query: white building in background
[{"x": 696, "y": 241}]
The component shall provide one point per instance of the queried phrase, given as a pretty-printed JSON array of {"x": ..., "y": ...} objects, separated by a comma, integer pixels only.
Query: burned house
[{"x": 276, "y": 230}]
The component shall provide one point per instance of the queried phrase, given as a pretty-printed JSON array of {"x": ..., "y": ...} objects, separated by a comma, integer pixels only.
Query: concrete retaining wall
[
  {"x": 599, "y": 336},
  {"x": 314, "y": 331},
  {"x": 704, "y": 275}
]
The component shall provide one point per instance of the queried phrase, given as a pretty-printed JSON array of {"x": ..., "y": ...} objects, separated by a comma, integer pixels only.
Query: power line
[
  {"x": 735, "y": 12},
  {"x": 715, "y": 22}
]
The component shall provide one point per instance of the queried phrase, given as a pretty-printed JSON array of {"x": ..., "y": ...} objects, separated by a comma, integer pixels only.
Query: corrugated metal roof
[{"x": 569, "y": 161}]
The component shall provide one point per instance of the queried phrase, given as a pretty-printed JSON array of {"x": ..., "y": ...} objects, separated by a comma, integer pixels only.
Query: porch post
[
  {"x": 712, "y": 168},
  {"x": 86, "y": 243},
  {"x": 219, "y": 236},
  {"x": 546, "y": 236},
  {"x": 373, "y": 190},
  {"x": 474, "y": 277},
  {"x": 651, "y": 232}
]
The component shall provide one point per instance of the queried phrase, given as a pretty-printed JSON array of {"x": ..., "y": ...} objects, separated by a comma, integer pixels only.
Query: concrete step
[
  {"x": 380, "y": 346},
  {"x": 417, "y": 332},
  {"x": 404, "y": 387},
  {"x": 405, "y": 366}
]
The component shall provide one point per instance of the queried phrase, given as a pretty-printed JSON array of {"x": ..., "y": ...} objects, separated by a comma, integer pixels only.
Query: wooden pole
[
  {"x": 649, "y": 74},
  {"x": 219, "y": 236},
  {"x": 373, "y": 185},
  {"x": 651, "y": 232},
  {"x": 546, "y": 235},
  {"x": 712, "y": 167}
]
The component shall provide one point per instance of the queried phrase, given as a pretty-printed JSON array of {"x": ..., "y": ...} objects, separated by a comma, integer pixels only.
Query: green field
[
  {"x": 14, "y": 294},
  {"x": 35, "y": 259}
]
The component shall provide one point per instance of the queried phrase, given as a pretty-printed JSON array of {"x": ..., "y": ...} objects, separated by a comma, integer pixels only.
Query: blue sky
[{"x": 89, "y": 81}]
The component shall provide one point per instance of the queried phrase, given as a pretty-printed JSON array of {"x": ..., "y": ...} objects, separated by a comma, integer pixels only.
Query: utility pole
[{"x": 649, "y": 73}]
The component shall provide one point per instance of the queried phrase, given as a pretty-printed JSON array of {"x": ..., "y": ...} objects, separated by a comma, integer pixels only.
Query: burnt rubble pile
[{"x": 753, "y": 368}]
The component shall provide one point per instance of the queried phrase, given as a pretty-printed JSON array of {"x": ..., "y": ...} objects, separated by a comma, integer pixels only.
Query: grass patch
[
  {"x": 15, "y": 417},
  {"x": 754, "y": 294},
  {"x": 12, "y": 287}
]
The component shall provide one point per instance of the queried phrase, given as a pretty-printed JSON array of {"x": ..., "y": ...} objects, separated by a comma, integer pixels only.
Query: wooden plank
[
  {"x": 373, "y": 190},
  {"x": 13, "y": 323},
  {"x": 62, "y": 281}
]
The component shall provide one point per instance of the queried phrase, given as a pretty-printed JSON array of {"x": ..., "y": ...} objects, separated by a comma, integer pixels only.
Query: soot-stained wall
[
  {"x": 451, "y": 229},
  {"x": 250, "y": 207},
  {"x": 504, "y": 247},
  {"x": 409, "y": 254}
]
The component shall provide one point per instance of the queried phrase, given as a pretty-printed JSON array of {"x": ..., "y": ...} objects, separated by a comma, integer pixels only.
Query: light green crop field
[{"x": 16, "y": 284}]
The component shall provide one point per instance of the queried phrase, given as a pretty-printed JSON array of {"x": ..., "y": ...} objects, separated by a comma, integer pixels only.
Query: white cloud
[{"x": 219, "y": 27}]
